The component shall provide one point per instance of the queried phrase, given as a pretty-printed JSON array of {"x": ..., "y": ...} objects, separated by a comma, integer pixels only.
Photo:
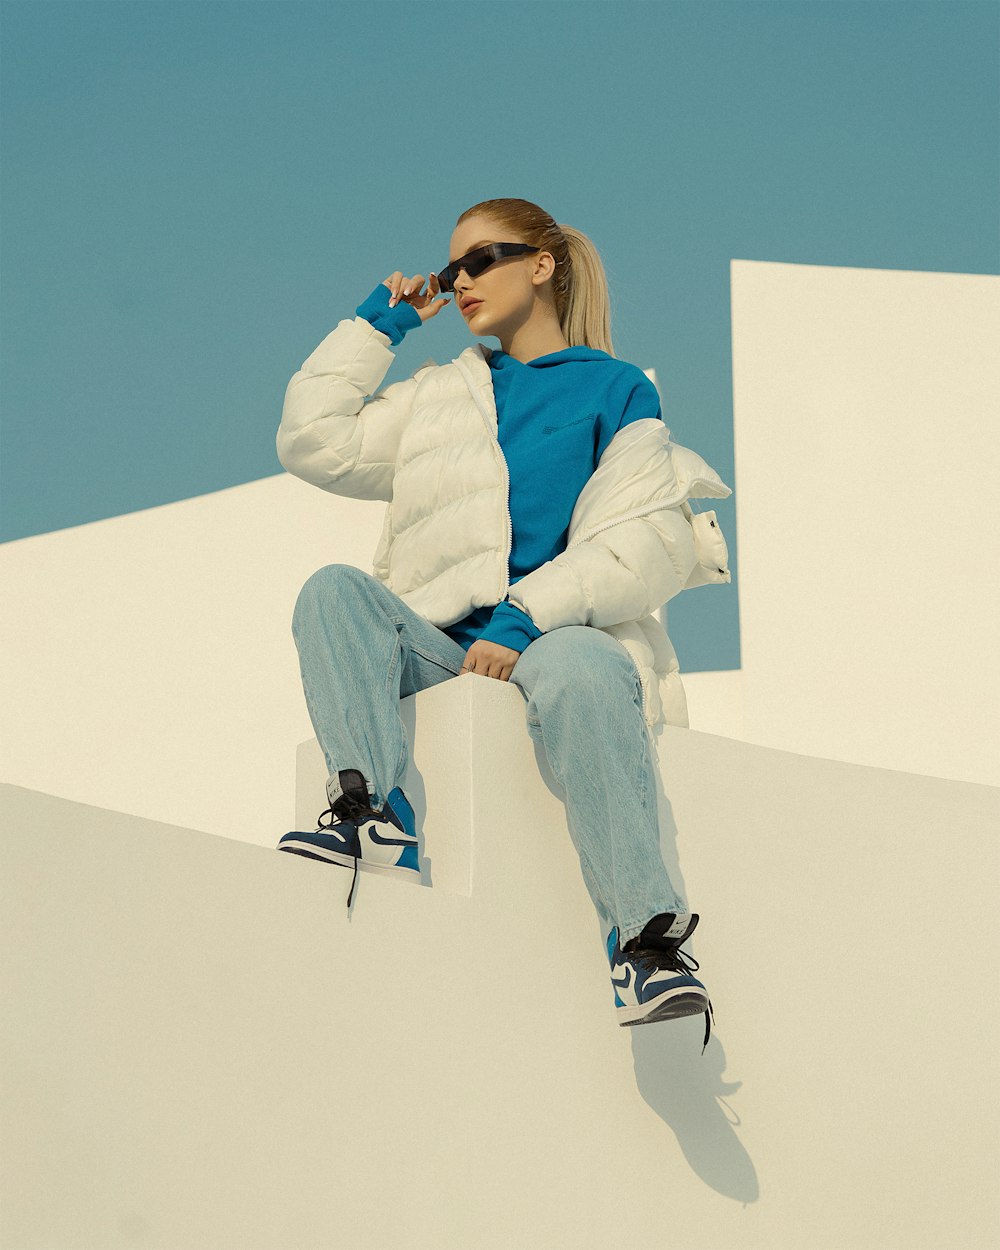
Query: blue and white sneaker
[
  {"x": 388, "y": 838},
  {"x": 651, "y": 979},
  {"x": 359, "y": 836}
]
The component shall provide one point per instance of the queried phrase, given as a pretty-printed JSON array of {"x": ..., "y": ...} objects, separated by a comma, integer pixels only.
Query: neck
[{"x": 538, "y": 336}]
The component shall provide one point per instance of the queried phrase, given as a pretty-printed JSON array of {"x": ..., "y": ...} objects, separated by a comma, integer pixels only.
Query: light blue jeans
[{"x": 361, "y": 650}]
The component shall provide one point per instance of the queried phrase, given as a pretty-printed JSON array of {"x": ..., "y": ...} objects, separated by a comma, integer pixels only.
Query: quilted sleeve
[
  {"x": 331, "y": 434},
  {"x": 619, "y": 574}
]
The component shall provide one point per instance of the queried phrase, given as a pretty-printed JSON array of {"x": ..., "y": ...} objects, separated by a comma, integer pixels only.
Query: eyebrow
[{"x": 471, "y": 249}]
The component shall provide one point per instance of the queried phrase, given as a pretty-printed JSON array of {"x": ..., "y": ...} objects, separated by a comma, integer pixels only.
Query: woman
[{"x": 535, "y": 523}]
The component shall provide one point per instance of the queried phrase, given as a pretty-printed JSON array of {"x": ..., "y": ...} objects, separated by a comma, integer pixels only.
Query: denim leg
[
  {"x": 362, "y": 650},
  {"x": 584, "y": 708}
]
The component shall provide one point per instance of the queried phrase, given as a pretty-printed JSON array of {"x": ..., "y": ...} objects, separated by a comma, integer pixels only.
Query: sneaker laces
[
  {"x": 329, "y": 825},
  {"x": 353, "y": 808},
  {"x": 674, "y": 960}
]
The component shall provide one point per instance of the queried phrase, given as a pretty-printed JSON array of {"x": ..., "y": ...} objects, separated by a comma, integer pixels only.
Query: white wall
[
  {"x": 210, "y": 1054},
  {"x": 867, "y": 452},
  {"x": 154, "y": 666}
]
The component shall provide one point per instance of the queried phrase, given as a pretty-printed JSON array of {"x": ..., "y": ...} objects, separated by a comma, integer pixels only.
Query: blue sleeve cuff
[
  {"x": 391, "y": 321},
  {"x": 510, "y": 627}
]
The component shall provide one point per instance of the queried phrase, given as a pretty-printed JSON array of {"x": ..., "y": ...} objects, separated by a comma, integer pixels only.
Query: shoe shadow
[{"x": 686, "y": 1089}]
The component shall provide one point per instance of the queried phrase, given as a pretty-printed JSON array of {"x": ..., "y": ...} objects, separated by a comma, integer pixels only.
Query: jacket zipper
[{"x": 629, "y": 516}]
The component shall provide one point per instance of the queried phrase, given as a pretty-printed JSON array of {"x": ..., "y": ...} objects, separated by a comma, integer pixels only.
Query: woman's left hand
[{"x": 489, "y": 659}]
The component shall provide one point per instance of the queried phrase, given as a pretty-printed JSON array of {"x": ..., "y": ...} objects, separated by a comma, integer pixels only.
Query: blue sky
[{"x": 194, "y": 194}]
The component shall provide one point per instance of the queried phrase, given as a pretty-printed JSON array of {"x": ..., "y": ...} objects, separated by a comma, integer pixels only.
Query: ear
[{"x": 545, "y": 266}]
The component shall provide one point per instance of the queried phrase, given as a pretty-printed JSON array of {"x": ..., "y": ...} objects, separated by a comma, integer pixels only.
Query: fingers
[
  {"x": 403, "y": 287},
  {"x": 409, "y": 289},
  {"x": 395, "y": 282},
  {"x": 499, "y": 671},
  {"x": 434, "y": 289}
]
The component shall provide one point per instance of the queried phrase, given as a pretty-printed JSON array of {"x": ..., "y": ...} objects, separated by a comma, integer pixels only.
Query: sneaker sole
[
  {"x": 391, "y": 870},
  {"x": 670, "y": 1005},
  {"x": 310, "y": 851}
]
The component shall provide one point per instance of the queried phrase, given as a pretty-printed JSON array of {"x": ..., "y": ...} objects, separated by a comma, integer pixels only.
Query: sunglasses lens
[{"x": 473, "y": 264}]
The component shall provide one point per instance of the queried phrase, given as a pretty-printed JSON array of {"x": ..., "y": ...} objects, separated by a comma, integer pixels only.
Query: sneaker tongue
[
  {"x": 668, "y": 926},
  {"x": 350, "y": 790}
]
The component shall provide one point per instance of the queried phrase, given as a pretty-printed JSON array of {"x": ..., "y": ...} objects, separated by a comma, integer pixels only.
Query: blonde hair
[{"x": 579, "y": 283}]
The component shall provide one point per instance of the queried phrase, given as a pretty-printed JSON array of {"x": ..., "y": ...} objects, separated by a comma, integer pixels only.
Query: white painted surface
[
  {"x": 867, "y": 453},
  {"x": 208, "y": 1053}
]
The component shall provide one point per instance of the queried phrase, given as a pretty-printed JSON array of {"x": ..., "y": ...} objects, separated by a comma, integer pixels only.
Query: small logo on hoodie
[{"x": 551, "y": 429}]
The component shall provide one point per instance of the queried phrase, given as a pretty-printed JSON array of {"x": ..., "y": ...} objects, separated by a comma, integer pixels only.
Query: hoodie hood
[{"x": 498, "y": 359}]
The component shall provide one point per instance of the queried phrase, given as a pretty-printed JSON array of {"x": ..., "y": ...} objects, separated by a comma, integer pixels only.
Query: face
[{"x": 507, "y": 289}]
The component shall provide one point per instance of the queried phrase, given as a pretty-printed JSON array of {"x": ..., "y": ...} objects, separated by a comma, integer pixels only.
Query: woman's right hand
[{"x": 425, "y": 304}]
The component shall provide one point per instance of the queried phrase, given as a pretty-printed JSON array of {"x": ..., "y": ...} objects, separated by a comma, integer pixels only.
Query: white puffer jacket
[{"x": 428, "y": 446}]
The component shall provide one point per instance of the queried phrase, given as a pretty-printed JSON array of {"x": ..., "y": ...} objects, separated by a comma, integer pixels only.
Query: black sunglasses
[{"x": 475, "y": 262}]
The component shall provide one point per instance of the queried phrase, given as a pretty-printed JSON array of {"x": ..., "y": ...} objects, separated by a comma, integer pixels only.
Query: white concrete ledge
[{"x": 202, "y": 1050}]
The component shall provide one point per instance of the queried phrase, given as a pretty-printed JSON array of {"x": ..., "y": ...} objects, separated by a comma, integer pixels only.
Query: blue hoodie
[{"x": 555, "y": 416}]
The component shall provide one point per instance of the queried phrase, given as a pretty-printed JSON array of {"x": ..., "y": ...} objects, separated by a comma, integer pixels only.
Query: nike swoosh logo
[{"x": 380, "y": 841}]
